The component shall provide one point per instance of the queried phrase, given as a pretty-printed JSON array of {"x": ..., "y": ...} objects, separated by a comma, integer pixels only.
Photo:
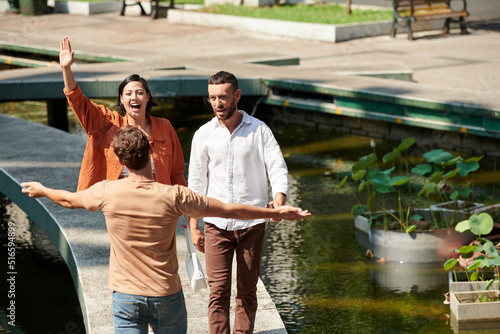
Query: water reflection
[
  {"x": 317, "y": 273},
  {"x": 45, "y": 297}
]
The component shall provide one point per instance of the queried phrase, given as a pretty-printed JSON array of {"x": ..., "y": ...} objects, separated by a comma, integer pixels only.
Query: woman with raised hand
[{"x": 100, "y": 123}]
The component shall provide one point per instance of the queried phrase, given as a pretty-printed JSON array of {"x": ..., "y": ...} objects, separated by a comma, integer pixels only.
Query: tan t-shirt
[{"x": 141, "y": 218}]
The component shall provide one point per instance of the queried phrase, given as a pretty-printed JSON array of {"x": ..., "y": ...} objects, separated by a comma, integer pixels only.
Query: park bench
[
  {"x": 408, "y": 11},
  {"x": 154, "y": 7}
]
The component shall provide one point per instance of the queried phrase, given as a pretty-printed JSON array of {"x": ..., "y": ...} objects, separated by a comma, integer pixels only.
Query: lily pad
[
  {"x": 437, "y": 156},
  {"x": 421, "y": 169},
  {"x": 481, "y": 224},
  {"x": 467, "y": 167}
]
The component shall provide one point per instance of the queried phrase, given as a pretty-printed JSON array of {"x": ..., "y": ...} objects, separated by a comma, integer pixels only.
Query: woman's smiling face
[{"x": 135, "y": 99}]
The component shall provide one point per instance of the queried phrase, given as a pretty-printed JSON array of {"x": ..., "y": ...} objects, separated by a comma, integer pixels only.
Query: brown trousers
[{"x": 220, "y": 246}]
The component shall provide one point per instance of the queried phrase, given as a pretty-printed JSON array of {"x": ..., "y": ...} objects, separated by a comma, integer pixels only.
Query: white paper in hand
[{"x": 193, "y": 265}]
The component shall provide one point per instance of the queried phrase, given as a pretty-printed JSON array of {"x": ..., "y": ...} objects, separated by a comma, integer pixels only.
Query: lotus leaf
[
  {"x": 437, "y": 156},
  {"x": 421, "y": 169},
  {"x": 364, "y": 162},
  {"x": 406, "y": 144},
  {"x": 391, "y": 156}
]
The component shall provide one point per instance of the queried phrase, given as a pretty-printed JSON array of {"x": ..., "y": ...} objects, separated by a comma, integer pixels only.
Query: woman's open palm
[{"x": 66, "y": 55}]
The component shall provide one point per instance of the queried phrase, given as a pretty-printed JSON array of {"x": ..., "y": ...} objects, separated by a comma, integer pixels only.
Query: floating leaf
[
  {"x": 391, "y": 156},
  {"x": 495, "y": 261},
  {"x": 343, "y": 181},
  {"x": 437, "y": 156},
  {"x": 454, "y": 196},
  {"x": 364, "y": 162},
  {"x": 481, "y": 224},
  {"x": 421, "y": 169},
  {"x": 406, "y": 144},
  {"x": 430, "y": 188},
  {"x": 467, "y": 167}
]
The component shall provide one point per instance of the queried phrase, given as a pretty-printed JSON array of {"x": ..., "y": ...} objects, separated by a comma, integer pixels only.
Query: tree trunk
[{"x": 349, "y": 2}]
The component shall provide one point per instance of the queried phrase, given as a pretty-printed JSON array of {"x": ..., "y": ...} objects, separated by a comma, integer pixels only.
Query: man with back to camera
[
  {"x": 231, "y": 157},
  {"x": 141, "y": 218}
]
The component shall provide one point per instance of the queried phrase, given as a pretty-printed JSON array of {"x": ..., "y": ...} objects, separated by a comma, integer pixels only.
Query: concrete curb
[{"x": 298, "y": 30}]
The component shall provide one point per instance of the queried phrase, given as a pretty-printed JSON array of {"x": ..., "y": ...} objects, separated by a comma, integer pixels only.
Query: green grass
[{"x": 319, "y": 13}]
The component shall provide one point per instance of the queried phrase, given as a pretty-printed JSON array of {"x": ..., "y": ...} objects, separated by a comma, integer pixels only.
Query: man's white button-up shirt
[{"x": 231, "y": 167}]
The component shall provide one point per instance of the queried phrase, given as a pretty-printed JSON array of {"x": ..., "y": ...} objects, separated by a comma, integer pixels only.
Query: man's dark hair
[
  {"x": 131, "y": 146},
  {"x": 223, "y": 77},
  {"x": 126, "y": 81}
]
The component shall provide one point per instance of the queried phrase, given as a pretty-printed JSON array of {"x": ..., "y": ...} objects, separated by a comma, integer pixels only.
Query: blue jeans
[{"x": 131, "y": 314}]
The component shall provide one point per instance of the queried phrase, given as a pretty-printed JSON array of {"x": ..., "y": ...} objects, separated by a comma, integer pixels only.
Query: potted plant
[
  {"x": 482, "y": 301},
  {"x": 402, "y": 233},
  {"x": 440, "y": 169}
]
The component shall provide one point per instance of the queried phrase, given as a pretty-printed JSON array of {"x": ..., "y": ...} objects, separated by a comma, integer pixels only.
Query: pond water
[{"x": 315, "y": 270}]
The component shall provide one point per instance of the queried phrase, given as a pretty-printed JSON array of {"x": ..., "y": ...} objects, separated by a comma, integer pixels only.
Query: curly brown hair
[{"x": 131, "y": 146}]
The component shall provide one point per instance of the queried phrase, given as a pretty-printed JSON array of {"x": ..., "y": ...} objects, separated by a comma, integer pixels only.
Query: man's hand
[
  {"x": 33, "y": 189},
  {"x": 198, "y": 239},
  {"x": 280, "y": 200}
]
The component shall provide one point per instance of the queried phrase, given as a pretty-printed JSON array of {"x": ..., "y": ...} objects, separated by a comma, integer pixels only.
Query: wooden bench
[
  {"x": 154, "y": 7},
  {"x": 408, "y": 11}
]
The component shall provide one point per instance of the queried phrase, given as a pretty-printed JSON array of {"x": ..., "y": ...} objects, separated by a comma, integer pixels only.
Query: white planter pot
[
  {"x": 416, "y": 247},
  {"x": 446, "y": 209},
  {"x": 467, "y": 310},
  {"x": 463, "y": 285}
]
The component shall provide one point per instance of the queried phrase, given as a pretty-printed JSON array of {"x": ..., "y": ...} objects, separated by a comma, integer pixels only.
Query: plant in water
[
  {"x": 441, "y": 171},
  {"x": 480, "y": 254},
  {"x": 374, "y": 182}
]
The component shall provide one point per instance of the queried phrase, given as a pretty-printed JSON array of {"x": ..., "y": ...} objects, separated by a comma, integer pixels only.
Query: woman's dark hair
[
  {"x": 131, "y": 146},
  {"x": 134, "y": 77}
]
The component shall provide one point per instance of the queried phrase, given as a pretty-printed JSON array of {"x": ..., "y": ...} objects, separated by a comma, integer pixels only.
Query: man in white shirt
[{"x": 232, "y": 157}]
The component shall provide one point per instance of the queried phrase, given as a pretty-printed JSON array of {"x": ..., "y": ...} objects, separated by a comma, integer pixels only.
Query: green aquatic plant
[
  {"x": 374, "y": 182},
  {"x": 480, "y": 254}
]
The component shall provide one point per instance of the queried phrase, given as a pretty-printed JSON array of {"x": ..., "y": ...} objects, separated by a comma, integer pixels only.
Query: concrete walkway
[{"x": 34, "y": 152}]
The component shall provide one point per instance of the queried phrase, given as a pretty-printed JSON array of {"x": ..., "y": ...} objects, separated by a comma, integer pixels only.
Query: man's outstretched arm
[
  {"x": 67, "y": 199},
  {"x": 217, "y": 208}
]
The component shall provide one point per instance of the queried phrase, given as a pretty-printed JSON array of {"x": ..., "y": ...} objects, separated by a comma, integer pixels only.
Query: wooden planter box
[
  {"x": 416, "y": 247},
  {"x": 468, "y": 310}
]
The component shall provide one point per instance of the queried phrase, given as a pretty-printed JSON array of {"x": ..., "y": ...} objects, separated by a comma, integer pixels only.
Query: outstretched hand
[
  {"x": 33, "y": 189},
  {"x": 292, "y": 213},
  {"x": 66, "y": 55}
]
